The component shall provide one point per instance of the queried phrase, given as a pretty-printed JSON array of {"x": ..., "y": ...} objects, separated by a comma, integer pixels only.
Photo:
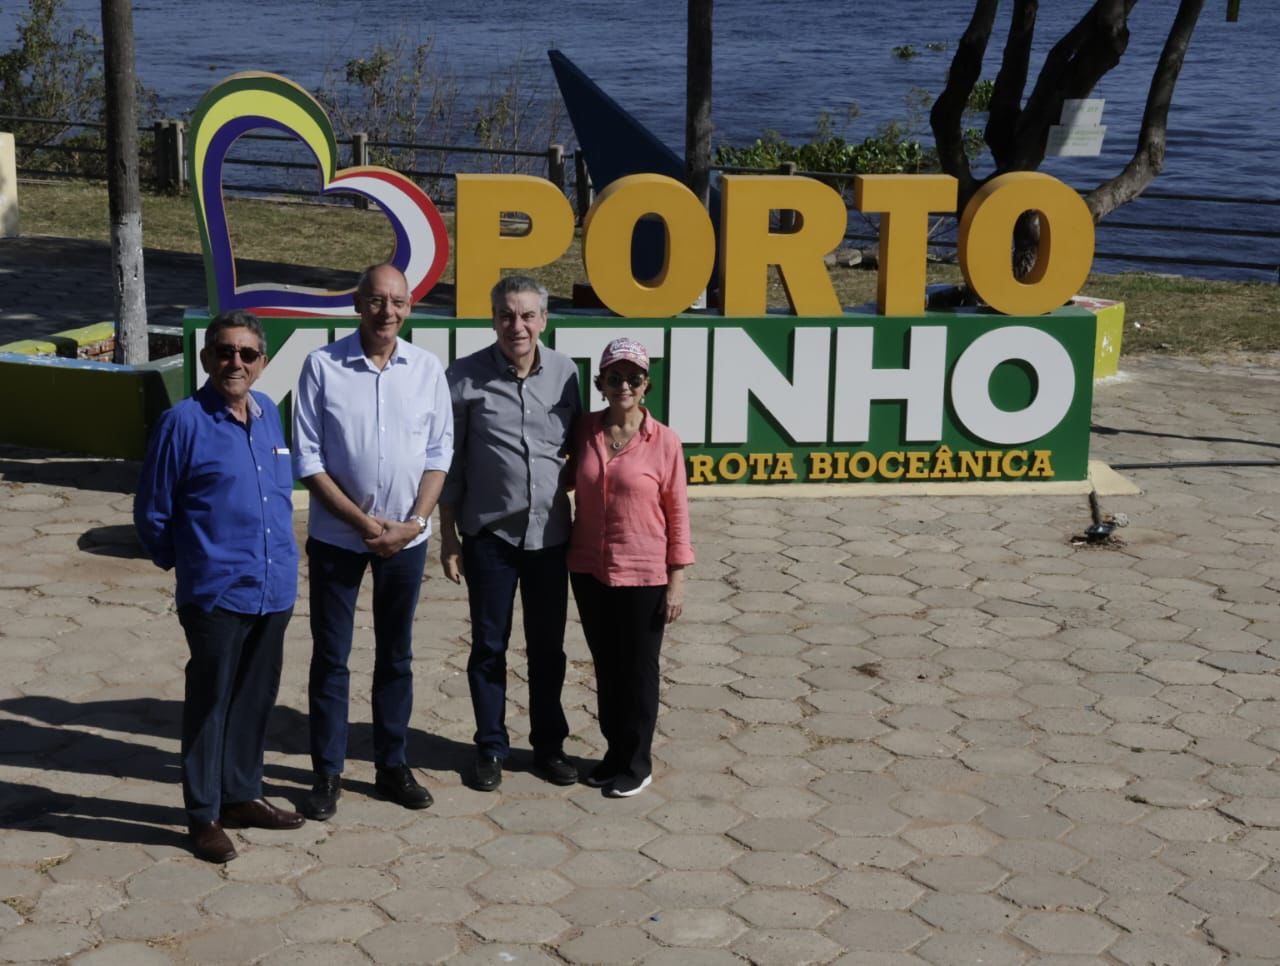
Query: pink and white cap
[{"x": 624, "y": 350}]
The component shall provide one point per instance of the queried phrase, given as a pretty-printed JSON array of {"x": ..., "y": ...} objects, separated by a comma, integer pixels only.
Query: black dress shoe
[
  {"x": 555, "y": 768},
  {"x": 322, "y": 801},
  {"x": 398, "y": 784},
  {"x": 259, "y": 814},
  {"x": 486, "y": 773},
  {"x": 210, "y": 843}
]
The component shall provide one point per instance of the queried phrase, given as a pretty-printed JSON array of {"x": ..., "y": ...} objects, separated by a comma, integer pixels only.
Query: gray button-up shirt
[{"x": 511, "y": 440}]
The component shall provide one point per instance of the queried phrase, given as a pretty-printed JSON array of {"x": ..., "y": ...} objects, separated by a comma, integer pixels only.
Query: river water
[{"x": 778, "y": 65}]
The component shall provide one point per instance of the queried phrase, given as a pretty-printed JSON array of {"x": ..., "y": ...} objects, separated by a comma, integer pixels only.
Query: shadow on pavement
[
  {"x": 55, "y": 734},
  {"x": 120, "y": 540}
]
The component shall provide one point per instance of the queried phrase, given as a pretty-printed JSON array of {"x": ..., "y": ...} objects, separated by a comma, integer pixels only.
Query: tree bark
[
  {"x": 697, "y": 128},
  {"x": 1148, "y": 157},
  {"x": 122, "y": 183},
  {"x": 946, "y": 117},
  {"x": 1006, "y": 95}
]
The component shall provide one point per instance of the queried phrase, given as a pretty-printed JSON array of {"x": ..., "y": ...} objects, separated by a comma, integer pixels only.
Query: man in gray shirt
[{"x": 514, "y": 405}]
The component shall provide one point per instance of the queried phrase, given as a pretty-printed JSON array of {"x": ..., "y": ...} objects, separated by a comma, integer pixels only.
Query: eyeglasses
[
  {"x": 615, "y": 381},
  {"x": 248, "y": 354},
  {"x": 378, "y": 303}
]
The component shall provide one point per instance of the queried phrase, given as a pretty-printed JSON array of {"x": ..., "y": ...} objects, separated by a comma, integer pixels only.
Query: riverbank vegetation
[{"x": 1171, "y": 314}]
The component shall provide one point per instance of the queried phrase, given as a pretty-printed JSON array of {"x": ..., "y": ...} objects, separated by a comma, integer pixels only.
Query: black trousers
[
  {"x": 623, "y": 627},
  {"x": 232, "y": 680}
]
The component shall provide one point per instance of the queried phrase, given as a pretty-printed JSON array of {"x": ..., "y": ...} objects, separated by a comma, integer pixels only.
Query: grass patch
[{"x": 1181, "y": 316}]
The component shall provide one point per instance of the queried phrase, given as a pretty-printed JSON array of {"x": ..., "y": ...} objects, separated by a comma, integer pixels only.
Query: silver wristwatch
[{"x": 420, "y": 521}]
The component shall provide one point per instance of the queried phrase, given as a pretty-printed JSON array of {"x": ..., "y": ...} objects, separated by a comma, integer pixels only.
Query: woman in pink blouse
[{"x": 627, "y": 556}]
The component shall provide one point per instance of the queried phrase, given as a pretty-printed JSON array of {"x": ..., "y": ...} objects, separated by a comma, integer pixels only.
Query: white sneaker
[{"x": 624, "y": 786}]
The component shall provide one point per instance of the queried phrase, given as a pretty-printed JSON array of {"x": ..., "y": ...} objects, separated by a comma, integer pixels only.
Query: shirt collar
[
  {"x": 503, "y": 365},
  {"x": 215, "y": 404},
  {"x": 355, "y": 352}
]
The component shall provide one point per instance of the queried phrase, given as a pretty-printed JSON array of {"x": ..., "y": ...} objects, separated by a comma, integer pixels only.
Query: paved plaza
[{"x": 894, "y": 730}]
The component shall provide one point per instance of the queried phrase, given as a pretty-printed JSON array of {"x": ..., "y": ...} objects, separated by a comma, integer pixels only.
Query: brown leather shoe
[
  {"x": 210, "y": 843},
  {"x": 259, "y": 813}
]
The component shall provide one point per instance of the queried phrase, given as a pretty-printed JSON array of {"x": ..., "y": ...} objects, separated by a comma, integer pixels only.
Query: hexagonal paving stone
[
  {"x": 695, "y": 927},
  {"x": 873, "y": 890},
  {"x": 517, "y": 924},
  {"x": 773, "y": 908},
  {"x": 959, "y": 874},
  {"x": 692, "y": 851},
  {"x": 516, "y": 886},
  {"x": 1065, "y": 932},
  {"x": 330, "y": 922},
  {"x": 525, "y": 851},
  {"x": 784, "y": 947},
  {"x": 966, "y": 913},
  {"x": 408, "y": 944},
  {"x": 1049, "y": 890},
  {"x": 609, "y": 944},
  {"x": 600, "y": 907},
  {"x": 781, "y": 869}
]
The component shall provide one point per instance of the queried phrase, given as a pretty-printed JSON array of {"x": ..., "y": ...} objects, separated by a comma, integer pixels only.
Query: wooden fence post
[
  {"x": 555, "y": 165},
  {"x": 581, "y": 183},
  {"x": 178, "y": 138},
  {"x": 360, "y": 158},
  {"x": 160, "y": 155},
  {"x": 787, "y": 217}
]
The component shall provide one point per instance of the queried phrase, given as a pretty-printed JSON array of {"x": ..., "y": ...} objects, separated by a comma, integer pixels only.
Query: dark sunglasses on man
[{"x": 226, "y": 353}]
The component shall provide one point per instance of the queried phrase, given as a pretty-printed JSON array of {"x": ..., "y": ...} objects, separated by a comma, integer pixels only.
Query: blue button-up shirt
[
  {"x": 215, "y": 502},
  {"x": 374, "y": 431}
]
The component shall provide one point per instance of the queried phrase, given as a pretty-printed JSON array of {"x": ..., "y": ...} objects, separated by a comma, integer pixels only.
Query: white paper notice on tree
[{"x": 1081, "y": 131}]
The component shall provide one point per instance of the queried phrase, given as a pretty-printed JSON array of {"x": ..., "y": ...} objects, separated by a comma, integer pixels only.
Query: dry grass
[{"x": 1181, "y": 316}]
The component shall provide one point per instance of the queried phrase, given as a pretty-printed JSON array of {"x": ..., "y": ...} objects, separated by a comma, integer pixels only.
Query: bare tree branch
[
  {"x": 1006, "y": 97},
  {"x": 1148, "y": 157},
  {"x": 946, "y": 117},
  {"x": 1074, "y": 65}
]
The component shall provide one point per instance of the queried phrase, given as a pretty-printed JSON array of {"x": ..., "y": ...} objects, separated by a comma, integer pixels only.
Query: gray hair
[
  {"x": 239, "y": 319},
  {"x": 514, "y": 285}
]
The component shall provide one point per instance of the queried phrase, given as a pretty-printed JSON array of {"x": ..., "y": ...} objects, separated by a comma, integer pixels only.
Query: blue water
[{"x": 778, "y": 64}]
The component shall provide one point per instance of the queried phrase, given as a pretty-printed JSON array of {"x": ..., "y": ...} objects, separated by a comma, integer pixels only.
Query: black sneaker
[
  {"x": 600, "y": 776},
  {"x": 555, "y": 768},
  {"x": 624, "y": 786},
  {"x": 322, "y": 801},
  {"x": 486, "y": 773},
  {"x": 398, "y": 784}
]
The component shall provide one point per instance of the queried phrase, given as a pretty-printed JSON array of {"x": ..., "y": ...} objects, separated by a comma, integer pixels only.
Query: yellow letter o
[
  {"x": 606, "y": 246},
  {"x": 1066, "y": 243}
]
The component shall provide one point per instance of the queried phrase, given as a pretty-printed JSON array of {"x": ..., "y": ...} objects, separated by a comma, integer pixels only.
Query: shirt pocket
[{"x": 283, "y": 464}]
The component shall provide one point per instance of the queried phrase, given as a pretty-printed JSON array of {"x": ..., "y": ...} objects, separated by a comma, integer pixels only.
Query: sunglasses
[
  {"x": 615, "y": 381},
  {"x": 226, "y": 353}
]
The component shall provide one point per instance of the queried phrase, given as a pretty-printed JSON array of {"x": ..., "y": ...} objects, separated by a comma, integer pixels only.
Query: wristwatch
[{"x": 420, "y": 521}]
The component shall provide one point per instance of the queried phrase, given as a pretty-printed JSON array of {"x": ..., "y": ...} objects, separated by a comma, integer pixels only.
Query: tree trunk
[
  {"x": 122, "y": 183},
  {"x": 1148, "y": 157},
  {"x": 697, "y": 126}
]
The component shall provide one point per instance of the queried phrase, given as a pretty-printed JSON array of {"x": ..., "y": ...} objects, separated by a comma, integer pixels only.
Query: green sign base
[{"x": 942, "y": 397}]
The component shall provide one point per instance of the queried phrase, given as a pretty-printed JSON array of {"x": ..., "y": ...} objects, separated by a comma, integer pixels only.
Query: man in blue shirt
[
  {"x": 373, "y": 439},
  {"x": 214, "y": 502}
]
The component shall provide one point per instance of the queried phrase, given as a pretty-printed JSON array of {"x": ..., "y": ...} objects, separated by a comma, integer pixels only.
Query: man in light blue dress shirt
[{"x": 373, "y": 441}]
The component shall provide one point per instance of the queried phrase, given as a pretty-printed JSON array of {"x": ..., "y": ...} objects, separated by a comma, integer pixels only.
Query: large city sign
[{"x": 820, "y": 395}]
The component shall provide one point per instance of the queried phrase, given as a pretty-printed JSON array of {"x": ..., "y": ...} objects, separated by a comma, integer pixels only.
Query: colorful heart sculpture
[{"x": 255, "y": 99}]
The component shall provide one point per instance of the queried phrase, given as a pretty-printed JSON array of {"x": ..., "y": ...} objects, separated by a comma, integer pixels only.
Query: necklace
[{"x": 624, "y": 437}]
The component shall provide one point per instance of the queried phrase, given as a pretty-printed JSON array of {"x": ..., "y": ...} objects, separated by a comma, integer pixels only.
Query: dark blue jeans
[
  {"x": 494, "y": 568},
  {"x": 232, "y": 679},
  {"x": 335, "y": 582}
]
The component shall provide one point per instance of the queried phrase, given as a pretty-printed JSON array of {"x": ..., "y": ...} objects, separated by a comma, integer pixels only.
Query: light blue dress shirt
[{"x": 374, "y": 431}]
